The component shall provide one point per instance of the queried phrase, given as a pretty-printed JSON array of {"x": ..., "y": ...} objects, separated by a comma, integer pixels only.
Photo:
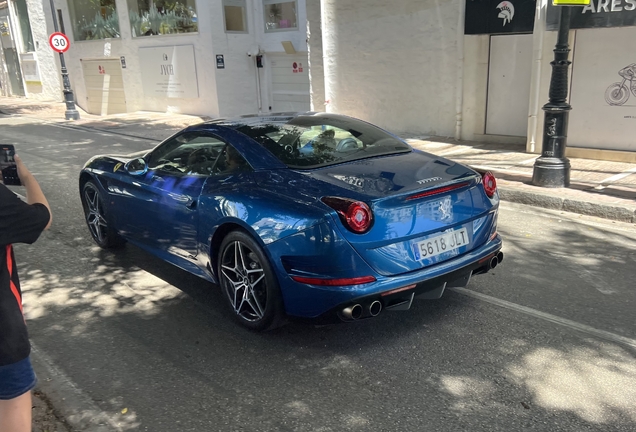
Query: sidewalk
[{"x": 598, "y": 188}]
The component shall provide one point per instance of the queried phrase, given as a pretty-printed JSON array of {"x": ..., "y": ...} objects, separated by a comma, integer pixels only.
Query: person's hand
[{"x": 23, "y": 172}]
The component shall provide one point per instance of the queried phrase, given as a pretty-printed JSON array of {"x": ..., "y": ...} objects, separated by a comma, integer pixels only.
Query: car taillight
[
  {"x": 355, "y": 215},
  {"x": 490, "y": 184}
]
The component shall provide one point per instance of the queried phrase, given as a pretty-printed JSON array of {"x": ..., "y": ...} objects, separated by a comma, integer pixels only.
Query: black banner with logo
[
  {"x": 496, "y": 16},
  {"x": 600, "y": 13}
]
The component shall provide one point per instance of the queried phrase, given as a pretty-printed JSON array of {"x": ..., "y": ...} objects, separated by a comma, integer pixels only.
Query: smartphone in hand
[{"x": 8, "y": 166}]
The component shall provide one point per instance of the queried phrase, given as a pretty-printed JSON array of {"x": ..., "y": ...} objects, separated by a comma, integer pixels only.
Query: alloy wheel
[
  {"x": 95, "y": 215},
  {"x": 245, "y": 283}
]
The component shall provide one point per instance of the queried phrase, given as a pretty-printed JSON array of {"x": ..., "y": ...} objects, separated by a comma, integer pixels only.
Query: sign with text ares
[
  {"x": 599, "y": 13},
  {"x": 59, "y": 42}
]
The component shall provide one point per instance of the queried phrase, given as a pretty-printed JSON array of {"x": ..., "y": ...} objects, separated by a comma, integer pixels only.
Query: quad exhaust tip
[
  {"x": 496, "y": 260},
  {"x": 375, "y": 308},
  {"x": 353, "y": 312},
  {"x": 357, "y": 311}
]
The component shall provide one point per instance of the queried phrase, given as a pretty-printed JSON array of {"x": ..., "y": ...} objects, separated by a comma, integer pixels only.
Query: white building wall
[
  {"x": 205, "y": 104},
  {"x": 316, "y": 62},
  {"x": 475, "y": 88},
  {"x": 48, "y": 60},
  {"x": 222, "y": 92},
  {"x": 393, "y": 63}
]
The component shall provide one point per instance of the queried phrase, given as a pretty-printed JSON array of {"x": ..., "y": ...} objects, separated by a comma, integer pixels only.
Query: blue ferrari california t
[{"x": 307, "y": 215}]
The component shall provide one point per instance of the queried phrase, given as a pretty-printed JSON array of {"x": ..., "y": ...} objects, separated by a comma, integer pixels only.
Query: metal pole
[
  {"x": 71, "y": 112},
  {"x": 552, "y": 168}
]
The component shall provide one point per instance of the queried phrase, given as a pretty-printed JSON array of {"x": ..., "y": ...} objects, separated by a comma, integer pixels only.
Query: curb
[
  {"x": 69, "y": 402},
  {"x": 605, "y": 211}
]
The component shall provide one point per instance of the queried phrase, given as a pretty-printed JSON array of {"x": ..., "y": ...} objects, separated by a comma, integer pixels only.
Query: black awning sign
[
  {"x": 599, "y": 13},
  {"x": 496, "y": 16}
]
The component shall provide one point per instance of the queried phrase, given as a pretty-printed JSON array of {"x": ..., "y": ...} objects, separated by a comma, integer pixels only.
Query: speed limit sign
[{"x": 59, "y": 42}]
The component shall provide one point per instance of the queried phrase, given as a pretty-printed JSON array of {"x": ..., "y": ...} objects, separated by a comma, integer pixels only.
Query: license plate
[{"x": 449, "y": 241}]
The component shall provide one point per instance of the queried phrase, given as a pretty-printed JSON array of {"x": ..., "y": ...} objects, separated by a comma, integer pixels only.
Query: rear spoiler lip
[{"x": 470, "y": 180}]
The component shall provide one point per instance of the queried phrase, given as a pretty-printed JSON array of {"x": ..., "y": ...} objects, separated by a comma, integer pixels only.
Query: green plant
[
  {"x": 136, "y": 23},
  {"x": 154, "y": 18},
  {"x": 163, "y": 18},
  {"x": 101, "y": 28}
]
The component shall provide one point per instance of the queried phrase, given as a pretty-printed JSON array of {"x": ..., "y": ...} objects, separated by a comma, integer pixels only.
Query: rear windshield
[{"x": 314, "y": 141}]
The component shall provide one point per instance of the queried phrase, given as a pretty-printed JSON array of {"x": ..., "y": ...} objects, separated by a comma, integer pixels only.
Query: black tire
[
  {"x": 243, "y": 263},
  {"x": 97, "y": 220}
]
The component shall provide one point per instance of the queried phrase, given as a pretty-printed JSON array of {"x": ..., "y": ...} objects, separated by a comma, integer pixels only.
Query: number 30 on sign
[{"x": 59, "y": 42}]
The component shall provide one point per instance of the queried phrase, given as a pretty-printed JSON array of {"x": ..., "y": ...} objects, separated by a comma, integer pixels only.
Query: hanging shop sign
[
  {"x": 169, "y": 71},
  {"x": 599, "y": 13},
  {"x": 496, "y": 16}
]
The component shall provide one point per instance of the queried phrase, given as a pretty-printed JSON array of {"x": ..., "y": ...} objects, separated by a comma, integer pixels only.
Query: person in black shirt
[{"x": 20, "y": 222}]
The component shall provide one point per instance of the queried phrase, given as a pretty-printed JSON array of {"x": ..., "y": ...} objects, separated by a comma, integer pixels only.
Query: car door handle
[
  {"x": 157, "y": 178},
  {"x": 191, "y": 204}
]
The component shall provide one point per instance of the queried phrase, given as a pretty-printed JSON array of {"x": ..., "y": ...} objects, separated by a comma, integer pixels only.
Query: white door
[
  {"x": 104, "y": 87},
  {"x": 510, "y": 70},
  {"x": 290, "y": 83}
]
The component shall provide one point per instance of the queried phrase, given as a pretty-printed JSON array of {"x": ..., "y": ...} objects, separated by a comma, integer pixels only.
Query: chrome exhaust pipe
[
  {"x": 493, "y": 262},
  {"x": 375, "y": 308},
  {"x": 500, "y": 257},
  {"x": 353, "y": 312}
]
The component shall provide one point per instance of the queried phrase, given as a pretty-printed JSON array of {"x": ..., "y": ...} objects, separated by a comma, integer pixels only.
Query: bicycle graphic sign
[{"x": 618, "y": 93}]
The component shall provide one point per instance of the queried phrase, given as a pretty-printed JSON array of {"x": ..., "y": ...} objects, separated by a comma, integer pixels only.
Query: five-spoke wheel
[
  {"x": 95, "y": 215},
  {"x": 248, "y": 282}
]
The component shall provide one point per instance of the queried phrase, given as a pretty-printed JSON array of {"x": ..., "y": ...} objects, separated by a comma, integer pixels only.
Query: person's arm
[{"x": 34, "y": 193}]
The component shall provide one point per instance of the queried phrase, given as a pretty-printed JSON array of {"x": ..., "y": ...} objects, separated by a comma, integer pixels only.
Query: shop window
[
  {"x": 25, "y": 26},
  {"x": 94, "y": 19},
  {"x": 280, "y": 15},
  {"x": 234, "y": 12},
  {"x": 162, "y": 17}
]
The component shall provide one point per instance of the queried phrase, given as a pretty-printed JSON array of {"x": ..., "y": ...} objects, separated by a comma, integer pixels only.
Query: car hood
[
  {"x": 130, "y": 156},
  {"x": 99, "y": 160}
]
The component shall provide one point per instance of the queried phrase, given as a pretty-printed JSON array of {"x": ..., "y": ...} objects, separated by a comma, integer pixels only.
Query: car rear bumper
[{"x": 327, "y": 303}]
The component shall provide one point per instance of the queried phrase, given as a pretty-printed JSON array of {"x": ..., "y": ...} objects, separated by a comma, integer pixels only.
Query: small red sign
[
  {"x": 295, "y": 67},
  {"x": 59, "y": 42}
]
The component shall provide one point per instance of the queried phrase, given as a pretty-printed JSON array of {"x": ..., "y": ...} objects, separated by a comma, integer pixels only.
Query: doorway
[
  {"x": 104, "y": 86},
  {"x": 290, "y": 83},
  {"x": 509, "y": 75}
]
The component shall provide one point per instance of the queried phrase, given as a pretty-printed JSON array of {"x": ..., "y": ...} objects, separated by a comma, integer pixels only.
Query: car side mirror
[{"x": 136, "y": 167}]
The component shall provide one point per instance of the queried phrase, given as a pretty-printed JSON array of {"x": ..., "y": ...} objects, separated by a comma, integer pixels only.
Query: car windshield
[{"x": 314, "y": 141}]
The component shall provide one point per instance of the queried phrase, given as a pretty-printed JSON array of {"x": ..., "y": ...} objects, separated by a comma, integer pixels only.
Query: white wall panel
[
  {"x": 598, "y": 57},
  {"x": 509, "y": 85}
]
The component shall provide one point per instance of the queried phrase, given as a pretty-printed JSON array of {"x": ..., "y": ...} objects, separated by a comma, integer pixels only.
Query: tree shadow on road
[{"x": 141, "y": 334}]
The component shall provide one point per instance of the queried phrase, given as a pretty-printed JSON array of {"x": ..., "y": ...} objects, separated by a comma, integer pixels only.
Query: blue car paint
[
  {"x": 281, "y": 209},
  {"x": 322, "y": 299}
]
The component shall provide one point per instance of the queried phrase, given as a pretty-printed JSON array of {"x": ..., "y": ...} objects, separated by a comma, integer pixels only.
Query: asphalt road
[{"x": 546, "y": 342}]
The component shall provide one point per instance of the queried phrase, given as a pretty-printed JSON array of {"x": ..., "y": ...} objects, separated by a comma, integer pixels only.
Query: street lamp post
[
  {"x": 552, "y": 168},
  {"x": 71, "y": 112}
]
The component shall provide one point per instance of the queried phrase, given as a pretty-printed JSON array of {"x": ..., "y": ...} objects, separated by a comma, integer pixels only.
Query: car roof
[{"x": 258, "y": 120}]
